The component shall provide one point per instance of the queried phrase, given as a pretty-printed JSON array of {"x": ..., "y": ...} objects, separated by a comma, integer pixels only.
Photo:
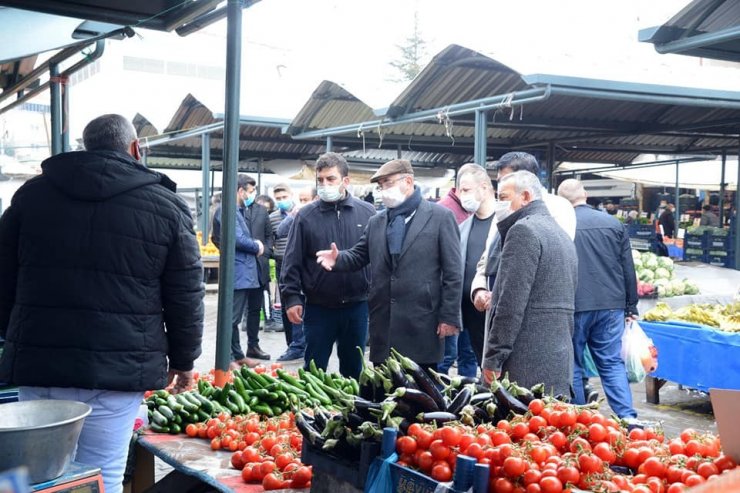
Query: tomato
[
  {"x": 216, "y": 443},
  {"x": 537, "y": 423},
  {"x": 568, "y": 418},
  {"x": 531, "y": 476},
  {"x": 536, "y": 406},
  {"x": 676, "y": 446},
  {"x": 414, "y": 429},
  {"x": 500, "y": 437},
  {"x": 589, "y": 463},
  {"x": 441, "y": 472},
  {"x": 267, "y": 467},
  {"x": 724, "y": 462},
  {"x": 673, "y": 474},
  {"x": 643, "y": 454},
  {"x": 504, "y": 425},
  {"x": 474, "y": 450},
  {"x": 467, "y": 438},
  {"x": 236, "y": 461},
  {"x": 423, "y": 439},
  {"x": 424, "y": 460},
  {"x": 251, "y": 454},
  {"x": 604, "y": 452},
  {"x": 268, "y": 441},
  {"x": 518, "y": 430},
  {"x": 558, "y": 440},
  {"x": 439, "y": 450},
  {"x": 676, "y": 488},
  {"x": 569, "y": 474},
  {"x": 585, "y": 417},
  {"x": 301, "y": 477},
  {"x": 282, "y": 460},
  {"x": 483, "y": 440},
  {"x": 533, "y": 488},
  {"x": 503, "y": 485},
  {"x": 514, "y": 467},
  {"x": 706, "y": 469},
  {"x": 654, "y": 467},
  {"x": 247, "y": 473},
  {"x": 539, "y": 454},
  {"x": 694, "y": 447},
  {"x": 693, "y": 480},
  {"x": 637, "y": 434},
  {"x": 580, "y": 445},
  {"x": 451, "y": 436},
  {"x": 597, "y": 433},
  {"x": 271, "y": 481},
  {"x": 688, "y": 434},
  {"x": 551, "y": 485},
  {"x": 406, "y": 445}
]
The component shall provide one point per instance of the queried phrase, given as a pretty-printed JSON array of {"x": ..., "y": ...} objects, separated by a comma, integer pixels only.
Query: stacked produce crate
[
  {"x": 641, "y": 236},
  {"x": 714, "y": 246}
]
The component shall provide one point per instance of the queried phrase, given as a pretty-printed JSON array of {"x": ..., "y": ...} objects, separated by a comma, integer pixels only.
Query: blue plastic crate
[
  {"x": 645, "y": 231},
  {"x": 690, "y": 257},
  {"x": 696, "y": 241},
  {"x": 721, "y": 261}
]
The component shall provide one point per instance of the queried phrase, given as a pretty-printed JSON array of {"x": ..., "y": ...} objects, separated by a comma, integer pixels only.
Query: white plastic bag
[{"x": 638, "y": 352}]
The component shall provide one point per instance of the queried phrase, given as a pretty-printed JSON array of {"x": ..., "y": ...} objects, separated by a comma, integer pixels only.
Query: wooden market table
[
  {"x": 694, "y": 356},
  {"x": 192, "y": 457}
]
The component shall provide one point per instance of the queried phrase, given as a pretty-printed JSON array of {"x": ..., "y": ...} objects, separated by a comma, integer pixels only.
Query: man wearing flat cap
[{"x": 413, "y": 248}]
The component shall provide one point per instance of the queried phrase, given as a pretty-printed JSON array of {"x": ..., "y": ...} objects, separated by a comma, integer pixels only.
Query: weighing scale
[{"x": 78, "y": 478}]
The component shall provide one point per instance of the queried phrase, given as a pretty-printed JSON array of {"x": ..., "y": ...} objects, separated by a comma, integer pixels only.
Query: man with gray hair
[
  {"x": 606, "y": 296},
  {"x": 101, "y": 288},
  {"x": 533, "y": 295}
]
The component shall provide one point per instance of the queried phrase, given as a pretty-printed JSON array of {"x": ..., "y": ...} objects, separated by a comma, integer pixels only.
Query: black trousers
[
  {"x": 287, "y": 326},
  {"x": 250, "y": 300}
]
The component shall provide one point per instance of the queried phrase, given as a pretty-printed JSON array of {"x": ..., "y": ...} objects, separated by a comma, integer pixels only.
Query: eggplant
[
  {"x": 341, "y": 448},
  {"x": 522, "y": 393},
  {"x": 507, "y": 402},
  {"x": 422, "y": 379},
  {"x": 398, "y": 377},
  {"x": 441, "y": 378},
  {"x": 438, "y": 417},
  {"x": 308, "y": 431},
  {"x": 491, "y": 410},
  {"x": 480, "y": 415},
  {"x": 405, "y": 409},
  {"x": 417, "y": 398},
  {"x": 354, "y": 420},
  {"x": 321, "y": 418},
  {"x": 481, "y": 397},
  {"x": 461, "y": 400},
  {"x": 363, "y": 407},
  {"x": 538, "y": 390}
]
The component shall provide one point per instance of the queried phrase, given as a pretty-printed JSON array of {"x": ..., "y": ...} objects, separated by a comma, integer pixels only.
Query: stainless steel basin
[{"x": 41, "y": 435}]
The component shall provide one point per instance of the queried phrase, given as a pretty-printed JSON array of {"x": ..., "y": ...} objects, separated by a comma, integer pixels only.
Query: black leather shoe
[{"x": 257, "y": 352}]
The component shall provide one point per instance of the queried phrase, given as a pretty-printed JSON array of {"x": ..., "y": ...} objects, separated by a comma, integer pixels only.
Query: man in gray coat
[
  {"x": 413, "y": 248},
  {"x": 533, "y": 296}
]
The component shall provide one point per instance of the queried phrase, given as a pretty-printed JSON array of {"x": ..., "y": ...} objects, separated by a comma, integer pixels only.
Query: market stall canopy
[
  {"x": 701, "y": 175},
  {"x": 586, "y": 120},
  {"x": 180, "y": 144},
  {"x": 704, "y": 28}
]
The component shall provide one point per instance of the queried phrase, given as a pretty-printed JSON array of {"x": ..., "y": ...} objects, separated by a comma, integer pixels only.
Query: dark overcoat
[{"x": 422, "y": 288}]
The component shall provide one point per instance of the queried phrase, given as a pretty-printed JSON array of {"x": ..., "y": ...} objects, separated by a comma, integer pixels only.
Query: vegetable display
[
  {"x": 656, "y": 274},
  {"x": 725, "y": 318}
]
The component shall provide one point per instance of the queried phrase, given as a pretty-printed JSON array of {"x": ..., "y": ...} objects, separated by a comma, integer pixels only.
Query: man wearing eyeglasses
[
  {"x": 413, "y": 249},
  {"x": 331, "y": 306}
]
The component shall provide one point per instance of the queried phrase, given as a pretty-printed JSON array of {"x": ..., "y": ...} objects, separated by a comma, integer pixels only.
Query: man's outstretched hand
[
  {"x": 183, "y": 380},
  {"x": 328, "y": 258}
]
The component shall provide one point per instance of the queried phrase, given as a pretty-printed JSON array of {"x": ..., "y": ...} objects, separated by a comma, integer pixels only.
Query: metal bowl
[{"x": 41, "y": 435}]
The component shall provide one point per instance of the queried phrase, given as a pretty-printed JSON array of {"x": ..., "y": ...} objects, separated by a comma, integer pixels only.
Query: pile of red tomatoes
[{"x": 555, "y": 447}]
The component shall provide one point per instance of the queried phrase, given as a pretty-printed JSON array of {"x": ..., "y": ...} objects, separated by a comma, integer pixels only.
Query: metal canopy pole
[
  {"x": 228, "y": 191},
  {"x": 481, "y": 133},
  {"x": 722, "y": 190},
  {"x": 56, "y": 109},
  {"x": 259, "y": 177},
  {"x": 677, "y": 215},
  {"x": 733, "y": 219},
  {"x": 550, "y": 166},
  {"x": 206, "y": 196},
  {"x": 329, "y": 143}
]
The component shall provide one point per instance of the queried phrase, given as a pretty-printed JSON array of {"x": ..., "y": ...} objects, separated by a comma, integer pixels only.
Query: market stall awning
[
  {"x": 704, "y": 28},
  {"x": 584, "y": 120}
]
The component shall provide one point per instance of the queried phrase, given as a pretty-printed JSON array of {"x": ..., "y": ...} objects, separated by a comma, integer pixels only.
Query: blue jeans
[
  {"x": 297, "y": 338},
  {"x": 106, "y": 434},
  {"x": 345, "y": 325},
  {"x": 602, "y": 331},
  {"x": 459, "y": 348}
]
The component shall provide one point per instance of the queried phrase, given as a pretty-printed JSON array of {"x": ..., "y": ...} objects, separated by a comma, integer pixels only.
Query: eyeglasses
[{"x": 387, "y": 184}]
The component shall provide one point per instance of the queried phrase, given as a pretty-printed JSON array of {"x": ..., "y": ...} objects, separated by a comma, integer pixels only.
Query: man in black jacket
[
  {"x": 101, "y": 292},
  {"x": 335, "y": 304},
  {"x": 606, "y": 295}
]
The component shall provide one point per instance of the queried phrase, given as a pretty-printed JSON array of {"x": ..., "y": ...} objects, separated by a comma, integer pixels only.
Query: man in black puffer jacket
[{"x": 100, "y": 288}]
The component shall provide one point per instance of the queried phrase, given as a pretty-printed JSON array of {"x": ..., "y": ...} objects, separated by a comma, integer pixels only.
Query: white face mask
[
  {"x": 470, "y": 204},
  {"x": 502, "y": 209},
  {"x": 329, "y": 193},
  {"x": 392, "y": 197}
]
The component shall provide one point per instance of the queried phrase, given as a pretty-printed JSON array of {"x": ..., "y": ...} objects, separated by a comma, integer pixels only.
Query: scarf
[{"x": 396, "y": 229}]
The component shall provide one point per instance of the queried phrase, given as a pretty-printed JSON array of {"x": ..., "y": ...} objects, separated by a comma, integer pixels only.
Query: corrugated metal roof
[
  {"x": 329, "y": 105},
  {"x": 700, "y": 18},
  {"x": 258, "y": 137}
]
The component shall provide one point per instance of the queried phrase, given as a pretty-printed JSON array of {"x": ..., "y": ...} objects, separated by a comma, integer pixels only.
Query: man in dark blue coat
[
  {"x": 605, "y": 297},
  {"x": 101, "y": 288}
]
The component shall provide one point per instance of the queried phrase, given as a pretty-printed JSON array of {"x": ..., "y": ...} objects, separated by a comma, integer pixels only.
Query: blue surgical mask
[
  {"x": 285, "y": 205},
  {"x": 329, "y": 193},
  {"x": 250, "y": 199}
]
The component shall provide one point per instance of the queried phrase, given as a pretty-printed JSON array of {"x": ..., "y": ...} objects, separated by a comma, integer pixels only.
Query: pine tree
[{"x": 410, "y": 62}]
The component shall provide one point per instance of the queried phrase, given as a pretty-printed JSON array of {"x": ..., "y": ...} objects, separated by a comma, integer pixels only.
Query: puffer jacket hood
[{"x": 95, "y": 176}]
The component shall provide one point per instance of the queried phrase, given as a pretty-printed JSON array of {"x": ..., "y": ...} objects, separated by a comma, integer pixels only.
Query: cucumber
[
  {"x": 159, "y": 429},
  {"x": 174, "y": 404},
  {"x": 205, "y": 404},
  {"x": 158, "y": 418},
  {"x": 166, "y": 412},
  {"x": 175, "y": 429},
  {"x": 186, "y": 403}
]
